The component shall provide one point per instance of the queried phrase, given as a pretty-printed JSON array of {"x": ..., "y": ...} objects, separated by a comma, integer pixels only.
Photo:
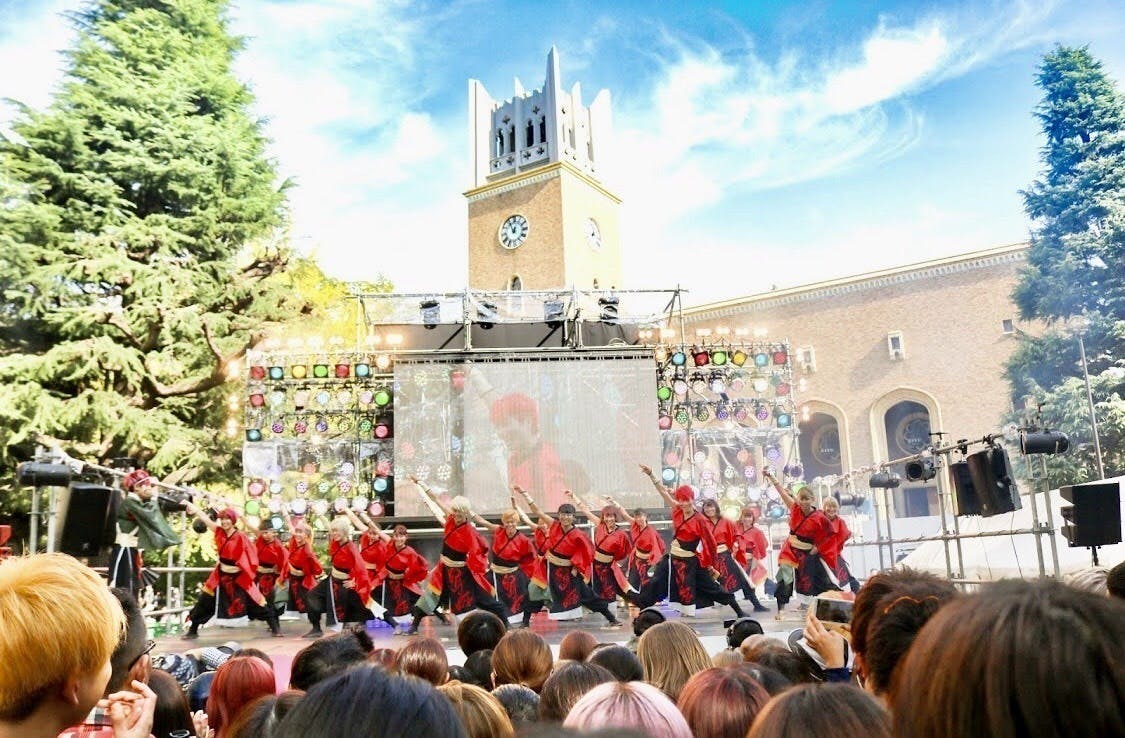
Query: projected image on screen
[{"x": 478, "y": 428}]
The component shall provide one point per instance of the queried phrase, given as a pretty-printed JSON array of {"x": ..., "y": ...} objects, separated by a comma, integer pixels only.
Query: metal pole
[
  {"x": 957, "y": 533},
  {"x": 944, "y": 523},
  {"x": 878, "y": 532},
  {"x": 52, "y": 502},
  {"x": 33, "y": 544},
  {"x": 890, "y": 535},
  {"x": 1050, "y": 518},
  {"x": 1035, "y": 519},
  {"x": 1090, "y": 402}
]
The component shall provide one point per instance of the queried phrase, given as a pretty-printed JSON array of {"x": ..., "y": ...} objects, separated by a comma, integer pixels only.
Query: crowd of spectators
[{"x": 921, "y": 660}]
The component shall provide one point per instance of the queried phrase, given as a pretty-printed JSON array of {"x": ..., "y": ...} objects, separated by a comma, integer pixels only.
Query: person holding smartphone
[{"x": 800, "y": 569}]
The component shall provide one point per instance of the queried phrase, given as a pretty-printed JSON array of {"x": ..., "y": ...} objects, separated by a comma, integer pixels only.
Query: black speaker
[
  {"x": 967, "y": 501},
  {"x": 1094, "y": 519},
  {"x": 994, "y": 482},
  {"x": 89, "y": 520}
]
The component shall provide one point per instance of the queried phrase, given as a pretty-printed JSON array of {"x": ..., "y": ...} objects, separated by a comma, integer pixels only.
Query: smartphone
[{"x": 837, "y": 612}]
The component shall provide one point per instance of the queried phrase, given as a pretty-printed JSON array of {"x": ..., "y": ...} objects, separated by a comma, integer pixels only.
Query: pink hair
[
  {"x": 230, "y": 514},
  {"x": 238, "y": 682},
  {"x": 628, "y": 705},
  {"x": 135, "y": 477}
]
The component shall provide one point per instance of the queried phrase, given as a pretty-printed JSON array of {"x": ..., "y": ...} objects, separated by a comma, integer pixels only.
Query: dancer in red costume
[
  {"x": 566, "y": 566},
  {"x": 732, "y": 577},
  {"x": 834, "y": 556},
  {"x": 460, "y": 578},
  {"x": 648, "y": 548},
  {"x": 751, "y": 554},
  {"x": 513, "y": 565},
  {"x": 686, "y": 576},
  {"x": 800, "y": 568},
  {"x": 230, "y": 594},
  {"x": 611, "y": 544},
  {"x": 345, "y": 594},
  {"x": 304, "y": 569},
  {"x": 273, "y": 561}
]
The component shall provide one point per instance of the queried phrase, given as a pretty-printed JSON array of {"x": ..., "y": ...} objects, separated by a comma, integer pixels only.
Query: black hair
[
  {"x": 645, "y": 619},
  {"x": 255, "y": 652},
  {"x": 324, "y": 658},
  {"x": 567, "y": 509},
  {"x": 367, "y": 701},
  {"x": 742, "y": 629},
  {"x": 566, "y": 685},
  {"x": 619, "y": 661},
  {"x": 773, "y": 680},
  {"x": 1115, "y": 581},
  {"x": 171, "y": 711},
  {"x": 479, "y": 630},
  {"x": 520, "y": 702},
  {"x": 479, "y": 668},
  {"x": 132, "y": 643}
]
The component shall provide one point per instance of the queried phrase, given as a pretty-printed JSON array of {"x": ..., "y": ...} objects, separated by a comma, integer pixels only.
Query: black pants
[
  {"x": 703, "y": 590},
  {"x": 340, "y": 603},
  {"x": 204, "y": 610}
]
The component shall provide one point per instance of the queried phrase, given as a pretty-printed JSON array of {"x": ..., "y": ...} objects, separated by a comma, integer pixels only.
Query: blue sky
[{"x": 758, "y": 144}]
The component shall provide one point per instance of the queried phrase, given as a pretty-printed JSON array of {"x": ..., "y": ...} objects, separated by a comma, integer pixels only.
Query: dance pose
[
  {"x": 273, "y": 562},
  {"x": 346, "y": 593},
  {"x": 686, "y": 576},
  {"x": 648, "y": 548},
  {"x": 140, "y": 527},
  {"x": 799, "y": 567},
  {"x": 751, "y": 554},
  {"x": 611, "y": 544},
  {"x": 303, "y": 567},
  {"x": 460, "y": 577},
  {"x": 834, "y": 554},
  {"x": 566, "y": 566},
  {"x": 732, "y": 577},
  {"x": 513, "y": 565},
  {"x": 230, "y": 594}
]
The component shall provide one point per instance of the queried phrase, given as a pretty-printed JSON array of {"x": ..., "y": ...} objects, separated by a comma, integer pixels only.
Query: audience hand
[
  {"x": 131, "y": 712},
  {"x": 202, "y": 729},
  {"x": 829, "y": 644}
]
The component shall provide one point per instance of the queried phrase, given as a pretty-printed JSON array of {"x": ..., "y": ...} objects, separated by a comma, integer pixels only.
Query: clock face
[
  {"x": 593, "y": 234},
  {"x": 513, "y": 232}
]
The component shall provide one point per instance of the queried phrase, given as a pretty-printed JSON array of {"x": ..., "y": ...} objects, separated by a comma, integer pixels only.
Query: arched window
[
  {"x": 907, "y": 424},
  {"x": 515, "y": 284},
  {"x": 499, "y": 143},
  {"x": 820, "y": 446},
  {"x": 542, "y": 129},
  {"x": 529, "y": 134},
  {"x": 511, "y": 139}
]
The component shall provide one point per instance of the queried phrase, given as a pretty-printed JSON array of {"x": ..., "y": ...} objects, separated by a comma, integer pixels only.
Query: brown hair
[
  {"x": 895, "y": 623},
  {"x": 567, "y": 685},
  {"x": 671, "y": 654},
  {"x": 522, "y": 657},
  {"x": 722, "y": 703},
  {"x": 577, "y": 645},
  {"x": 1025, "y": 659},
  {"x": 823, "y": 710},
  {"x": 386, "y": 658},
  {"x": 482, "y": 714},
  {"x": 877, "y": 587},
  {"x": 424, "y": 658}
]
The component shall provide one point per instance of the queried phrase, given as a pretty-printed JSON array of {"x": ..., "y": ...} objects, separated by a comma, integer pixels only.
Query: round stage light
[
  {"x": 277, "y": 372},
  {"x": 682, "y": 416},
  {"x": 382, "y": 430},
  {"x": 253, "y": 521},
  {"x": 761, "y": 359},
  {"x": 664, "y": 393},
  {"x": 320, "y": 371},
  {"x": 762, "y": 413},
  {"x": 782, "y": 389},
  {"x": 719, "y": 358},
  {"x": 750, "y": 473},
  {"x": 699, "y": 457},
  {"x": 780, "y": 358},
  {"x": 700, "y": 357},
  {"x": 343, "y": 371},
  {"x": 300, "y": 399},
  {"x": 298, "y": 371},
  {"x": 257, "y": 400},
  {"x": 340, "y": 504},
  {"x": 276, "y": 488},
  {"x": 257, "y": 372},
  {"x": 783, "y": 420},
  {"x": 277, "y": 427},
  {"x": 754, "y": 493},
  {"x": 672, "y": 458},
  {"x": 702, "y": 413},
  {"x": 274, "y": 506},
  {"x": 256, "y": 488},
  {"x": 679, "y": 358},
  {"x": 680, "y": 387},
  {"x": 773, "y": 453},
  {"x": 299, "y": 507},
  {"x": 376, "y": 510},
  {"x": 664, "y": 422},
  {"x": 253, "y": 434},
  {"x": 363, "y": 369},
  {"x": 741, "y": 413},
  {"x": 698, "y": 382},
  {"x": 321, "y": 425},
  {"x": 718, "y": 386},
  {"x": 253, "y": 507},
  {"x": 379, "y": 485},
  {"x": 383, "y": 362},
  {"x": 382, "y": 397},
  {"x": 668, "y": 474},
  {"x": 324, "y": 487},
  {"x": 722, "y": 412},
  {"x": 739, "y": 357},
  {"x": 359, "y": 503}
]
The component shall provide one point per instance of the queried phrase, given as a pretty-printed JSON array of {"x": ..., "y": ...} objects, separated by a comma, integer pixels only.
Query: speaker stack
[{"x": 985, "y": 485}]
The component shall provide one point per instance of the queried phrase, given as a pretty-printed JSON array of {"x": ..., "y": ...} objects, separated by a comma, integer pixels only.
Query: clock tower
[{"x": 540, "y": 215}]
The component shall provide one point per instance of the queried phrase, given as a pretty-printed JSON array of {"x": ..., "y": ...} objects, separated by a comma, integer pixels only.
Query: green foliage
[
  {"x": 1076, "y": 264},
  {"x": 141, "y": 232}
]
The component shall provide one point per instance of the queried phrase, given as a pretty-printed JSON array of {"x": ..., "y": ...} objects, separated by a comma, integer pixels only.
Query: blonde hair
[
  {"x": 42, "y": 641},
  {"x": 830, "y": 502},
  {"x": 341, "y": 524},
  {"x": 461, "y": 504},
  {"x": 670, "y": 654},
  {"x": 628, "y": 705},
  {"x": 482, "y": 714},
  {"x": 510, "y": 517}
]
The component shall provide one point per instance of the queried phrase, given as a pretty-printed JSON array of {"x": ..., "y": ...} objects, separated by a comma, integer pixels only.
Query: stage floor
[{"x": 707, "y": 623}]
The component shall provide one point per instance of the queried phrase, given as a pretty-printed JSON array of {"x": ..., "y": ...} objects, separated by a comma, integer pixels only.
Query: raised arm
[
  {"x": 356, "y": 522},
  {"x": 621, "y": 512},
  {"x": 481, "y": 521},
  {"x": 429, "y": 494},
  {"x": 593, "y": 517},
  {"x": 523, "y": 516},
  {"x": 374, "y": 527},
  {"x": 663, "y": 490},
  {"x": 787, "y": 498},
  {"x": 288, "y": 520},
  {"x": 206, "y": 520},
  {"x": 531, "y": 505}
]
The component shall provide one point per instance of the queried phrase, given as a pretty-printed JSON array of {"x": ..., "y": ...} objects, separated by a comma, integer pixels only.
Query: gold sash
[
  {"x": 679, "y": 552},
  {"x": 557, "y": 561},
  {"x": 504, "y": 569},
  {"x": 450, "y": 562}
]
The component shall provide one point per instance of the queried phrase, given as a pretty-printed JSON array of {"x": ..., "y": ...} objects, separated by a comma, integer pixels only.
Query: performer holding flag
[{"x": 140, "y": 527}]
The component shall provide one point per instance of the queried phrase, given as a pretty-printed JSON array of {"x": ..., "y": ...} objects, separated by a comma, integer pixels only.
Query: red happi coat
[
  {"x": 518, "y": 548},
  {"x": 374, "y": 551},
  {"x": 271, "y": 554},
  {"x": 647, "y": 541},
  {"x": 304, "y": 559},
  {"x": 572, "y": 544},
  {"x": 408, "y": 562},
  {"x": 237, "y": 550},
  {"x": 615, "y": 543},
  {"x": 695, "y": 534},
  {"x": 465, "y": 539},
  {"x": 813, "y": 528},
  {"x": 840, "y": 534},
  {"x": 726, "y": 534},
  {"x": 346, "y": 557},
  {"x": 752, "y": 544}
]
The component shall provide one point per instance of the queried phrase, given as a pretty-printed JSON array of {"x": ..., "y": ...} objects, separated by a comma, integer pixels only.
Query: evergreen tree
[
  {"x": 1076, "y": 264},
  {"x": 141, "y": 226}
]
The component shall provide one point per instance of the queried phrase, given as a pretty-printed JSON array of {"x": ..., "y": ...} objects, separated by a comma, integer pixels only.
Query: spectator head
[
  {"x": 878, "y": 586},
  {"x": 424, "y": 658},
  {"x": 479, "y": 630},
  {"x": 520, "y": 702},
  {"x": 566, "y": 685},
  {"x": 823, "y": 710},
  {"x": 1090, "y": 579},
  {"x": 645, "y": 619},
  {"x": 619, "y": 661},
  {"x": 198, "y": 690},
  {"x": 482, "y": 714},
  {"x": 131, "y": 658},
  {"x": 671, "y": 654},
  {"x": 237, "y": 683},
  {"x": 791, "y": 666},
  {"x": 1020, "y": 658},
  {"x": 742, "y": 629},
  {"x": 171, "y": 705},
  {"x": 772, "y": 680},
  {"x": 478, "y": 667},
  {"x": 367, "y": 701},
  {"x": 522, "y": 657},
  {"x": 576, "y": 645},
  {"x": 722, "y": 703},
  {"x": 893, "y": 627},
  {"x": 324, "y": 658},
  {"x": 386, "y": 658},
  {"x": 727, "y": 657},
  {"x": 1115, "y": 581},
  {"x": 256, "y": 653},
  {"x": 629, "y": 705},
  {"x": 55, "y": 665}
]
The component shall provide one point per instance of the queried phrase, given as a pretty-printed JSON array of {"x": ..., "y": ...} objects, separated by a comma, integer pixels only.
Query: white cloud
[{"x": 30, "y": 44}]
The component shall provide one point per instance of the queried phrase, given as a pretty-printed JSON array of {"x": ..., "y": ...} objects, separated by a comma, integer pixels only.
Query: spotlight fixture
[
  {"x": 431, "y": 313},
  {"x": 884, "y": 480},
  {"x": 608, "y": 305},
  {"x": 701, "y": 357},
  {"x": 486, "y": 314},
  {"x": 553, "y": 312},
  {"x": 1046, "y": 442},
  {"x": 920, "y": 470}
]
